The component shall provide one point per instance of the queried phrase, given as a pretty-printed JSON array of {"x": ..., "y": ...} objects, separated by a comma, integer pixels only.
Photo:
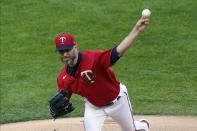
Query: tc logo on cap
[{"x": 62, "y": 40}]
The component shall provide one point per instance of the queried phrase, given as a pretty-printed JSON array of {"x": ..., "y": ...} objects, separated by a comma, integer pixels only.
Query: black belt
[{"x": 111, "y": 103}]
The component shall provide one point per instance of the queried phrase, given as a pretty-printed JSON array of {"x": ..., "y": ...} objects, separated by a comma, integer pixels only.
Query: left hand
[{"x": 59, "y": 105}]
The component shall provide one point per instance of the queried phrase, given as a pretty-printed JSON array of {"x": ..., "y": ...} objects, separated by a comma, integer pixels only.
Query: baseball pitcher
[{"x": 88, "y": 74}]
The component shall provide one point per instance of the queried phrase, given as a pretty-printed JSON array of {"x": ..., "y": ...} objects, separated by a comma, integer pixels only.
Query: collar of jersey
[{"x": 71, "y": 70}]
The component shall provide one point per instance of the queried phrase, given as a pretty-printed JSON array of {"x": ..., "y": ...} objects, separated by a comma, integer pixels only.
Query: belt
[{"x": 111, "y": 103}]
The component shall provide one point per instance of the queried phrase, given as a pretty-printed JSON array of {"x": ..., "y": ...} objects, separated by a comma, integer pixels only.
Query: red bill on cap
[{"x": 64, "y": 42}]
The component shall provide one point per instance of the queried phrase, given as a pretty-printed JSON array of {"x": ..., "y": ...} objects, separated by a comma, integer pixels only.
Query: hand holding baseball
[{"x": 144, "y": 21}]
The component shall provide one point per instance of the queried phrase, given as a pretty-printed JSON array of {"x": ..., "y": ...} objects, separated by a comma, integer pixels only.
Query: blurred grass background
[{"x": 160, "y": 70}]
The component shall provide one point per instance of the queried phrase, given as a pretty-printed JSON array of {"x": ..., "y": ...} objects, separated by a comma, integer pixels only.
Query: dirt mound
[{"x": 157, "y": 123}]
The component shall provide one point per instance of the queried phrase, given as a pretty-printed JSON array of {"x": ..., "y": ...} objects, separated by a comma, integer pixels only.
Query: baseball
[{"x": 146, "y": 13}]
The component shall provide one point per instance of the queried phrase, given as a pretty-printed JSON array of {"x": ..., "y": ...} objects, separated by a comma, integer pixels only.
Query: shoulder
[
  {"x": 94, "y": 53},
  {"x": 62, "y": 72}
]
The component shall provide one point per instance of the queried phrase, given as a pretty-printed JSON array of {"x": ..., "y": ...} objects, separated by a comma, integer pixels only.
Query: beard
[{"x": 69, "y": 61}]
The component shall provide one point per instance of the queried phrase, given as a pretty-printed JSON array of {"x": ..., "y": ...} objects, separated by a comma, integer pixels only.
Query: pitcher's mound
[{"x": 157, "y": 123}]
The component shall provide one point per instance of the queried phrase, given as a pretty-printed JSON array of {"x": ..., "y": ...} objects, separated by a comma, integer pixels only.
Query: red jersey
[{"x": 93, "y": 79}]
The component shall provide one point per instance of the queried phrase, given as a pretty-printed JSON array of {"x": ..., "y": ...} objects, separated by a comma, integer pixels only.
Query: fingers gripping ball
[{"x": 59, "y": 104}]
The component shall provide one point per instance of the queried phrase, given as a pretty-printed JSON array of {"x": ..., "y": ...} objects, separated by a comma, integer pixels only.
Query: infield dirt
[{"x": 157, "y": 123}]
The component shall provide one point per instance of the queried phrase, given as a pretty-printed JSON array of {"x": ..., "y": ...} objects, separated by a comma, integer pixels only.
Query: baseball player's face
[{"x": 68, "y": 56}]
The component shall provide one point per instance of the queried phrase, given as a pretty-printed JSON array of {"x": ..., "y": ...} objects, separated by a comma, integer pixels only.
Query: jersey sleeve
[
  {"x": 61, "y": 87},
  {"x": 107, "y": 58}
]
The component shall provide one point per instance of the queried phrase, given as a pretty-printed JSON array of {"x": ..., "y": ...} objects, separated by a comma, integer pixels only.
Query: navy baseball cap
[{"x": 64, "y": 42}]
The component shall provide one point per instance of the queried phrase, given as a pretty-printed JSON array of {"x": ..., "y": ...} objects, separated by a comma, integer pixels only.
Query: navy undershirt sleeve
[{"x": 114, "y": 55}]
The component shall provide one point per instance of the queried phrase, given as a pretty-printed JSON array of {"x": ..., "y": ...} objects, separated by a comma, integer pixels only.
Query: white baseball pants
[{"x": 120, "y": 111}]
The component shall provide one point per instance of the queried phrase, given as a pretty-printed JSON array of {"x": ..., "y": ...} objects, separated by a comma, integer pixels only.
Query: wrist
[{"x": 136, "y": 30}]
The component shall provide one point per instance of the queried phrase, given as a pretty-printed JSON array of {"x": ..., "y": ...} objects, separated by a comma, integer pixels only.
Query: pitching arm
[{"x": 130, "y": 39}]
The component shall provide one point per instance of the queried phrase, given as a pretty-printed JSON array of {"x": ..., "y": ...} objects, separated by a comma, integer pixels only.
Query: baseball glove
[{"x": 59, "y": 104}]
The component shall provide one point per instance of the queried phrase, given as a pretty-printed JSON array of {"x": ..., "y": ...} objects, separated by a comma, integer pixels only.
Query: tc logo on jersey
[
  {"x": 62, "y": 40},
  {"x": 88, "y": 76}
]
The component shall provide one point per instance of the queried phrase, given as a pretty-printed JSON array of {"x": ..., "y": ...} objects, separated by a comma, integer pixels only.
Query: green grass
[{"x": 160, "y": 70}]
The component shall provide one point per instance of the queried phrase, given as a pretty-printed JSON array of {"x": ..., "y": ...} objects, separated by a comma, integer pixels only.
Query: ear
[{"x": 75, "y": 46}]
